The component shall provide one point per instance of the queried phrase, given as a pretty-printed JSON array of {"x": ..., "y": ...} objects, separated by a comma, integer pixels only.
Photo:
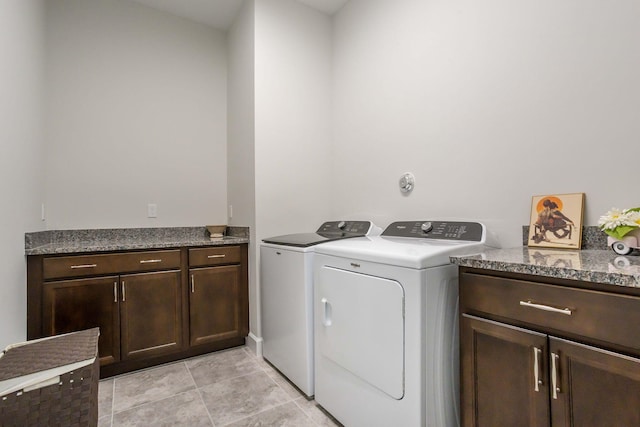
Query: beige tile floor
[{"x": 227, "y": 388}]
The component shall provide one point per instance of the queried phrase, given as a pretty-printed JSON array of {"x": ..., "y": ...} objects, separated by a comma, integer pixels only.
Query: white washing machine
[
  {"x": 286, "y": 280},
  {"x": 386, "y": 331}
]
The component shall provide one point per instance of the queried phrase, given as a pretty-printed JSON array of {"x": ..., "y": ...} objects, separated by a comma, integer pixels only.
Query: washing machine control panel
[
  {"x": 441, "y": 230},
  {"x": 351, "y": 227}
]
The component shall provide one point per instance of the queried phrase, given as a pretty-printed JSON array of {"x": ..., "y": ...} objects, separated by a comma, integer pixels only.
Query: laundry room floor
[{"x": 227, "y": 388}]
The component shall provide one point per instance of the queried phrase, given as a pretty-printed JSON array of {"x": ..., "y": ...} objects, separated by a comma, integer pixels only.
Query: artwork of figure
[{"x": 551, "y": 220}]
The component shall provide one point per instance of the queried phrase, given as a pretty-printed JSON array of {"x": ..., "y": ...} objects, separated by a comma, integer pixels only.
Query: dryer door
[{"x": 361, "y": 327}]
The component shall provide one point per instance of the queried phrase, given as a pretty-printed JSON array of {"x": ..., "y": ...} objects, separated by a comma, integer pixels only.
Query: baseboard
[{"x": 255, "y": 344}]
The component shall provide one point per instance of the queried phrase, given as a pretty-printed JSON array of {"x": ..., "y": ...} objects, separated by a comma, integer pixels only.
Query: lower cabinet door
[
  {"x": 504, "y": 375},
  {"x": 74, "y": 305},
  {"x": 151, "y": 313},
  {"x": 593, "y": 387},
  {"x": 215, "y": 302}
]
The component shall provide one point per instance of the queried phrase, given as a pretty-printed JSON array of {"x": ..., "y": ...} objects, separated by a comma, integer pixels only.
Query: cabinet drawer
[
  {"x": 93, "y": 265},
  {"x": 218, "y": 255},
  {"x": 605, "y": 317}
]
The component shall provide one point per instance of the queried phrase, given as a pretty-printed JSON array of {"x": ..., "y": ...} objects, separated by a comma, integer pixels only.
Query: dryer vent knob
[
  {"x": 341, "y": 225},
  {"x": 426, "y": 227}
]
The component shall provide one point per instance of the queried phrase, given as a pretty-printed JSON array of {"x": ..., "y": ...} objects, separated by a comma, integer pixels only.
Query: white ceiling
[{"x": 221, "y": 13}]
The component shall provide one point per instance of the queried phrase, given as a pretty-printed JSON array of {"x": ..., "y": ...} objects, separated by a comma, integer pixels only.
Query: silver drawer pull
[
  {"x": 566, "y": 311},
  {"x": 84, "y": 266},
  {"x": 150, "y": 261},
  {"x": 216, "y": 256}
]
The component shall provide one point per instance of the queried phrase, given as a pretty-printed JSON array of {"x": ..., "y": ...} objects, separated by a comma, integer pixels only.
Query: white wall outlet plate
[{"x": 152, "y": 210}]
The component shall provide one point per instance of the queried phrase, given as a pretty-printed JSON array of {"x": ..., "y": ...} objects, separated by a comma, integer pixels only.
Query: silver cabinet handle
[
  {"x": 84, "y": 266},
  {"x": 193, "y": 284},
  {"x": 115, "y": 292},
  {"x": 150, "y": 261},
  {"x": 123, "y": 293},
  {"x": 536, "y": 368},
  {"x": 554, "y": 375},
  {"x": 216, "y": 256},
  {"x": 566, "y": 311}
]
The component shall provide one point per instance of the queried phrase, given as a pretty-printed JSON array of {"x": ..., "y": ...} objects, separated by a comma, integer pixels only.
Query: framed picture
[{"x": 556, "y": 221}]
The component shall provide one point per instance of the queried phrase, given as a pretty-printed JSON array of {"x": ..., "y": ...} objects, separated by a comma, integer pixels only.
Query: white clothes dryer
[
  {"x": 286, "y": 280},
  {"x": 386, "y": 324}
]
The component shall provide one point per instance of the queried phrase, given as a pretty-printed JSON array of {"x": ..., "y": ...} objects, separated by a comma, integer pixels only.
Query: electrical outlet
[
  {"x": 152, "y": 210},
  {"x": 230, "y": 211},
  {"x": 42, "y": 212}
]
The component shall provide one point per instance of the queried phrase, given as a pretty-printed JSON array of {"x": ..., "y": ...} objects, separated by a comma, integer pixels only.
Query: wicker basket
[{"x": 51, "y": 382}]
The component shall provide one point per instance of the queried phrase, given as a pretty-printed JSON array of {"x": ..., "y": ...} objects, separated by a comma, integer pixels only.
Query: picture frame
[{"x": 556, "y": 221}]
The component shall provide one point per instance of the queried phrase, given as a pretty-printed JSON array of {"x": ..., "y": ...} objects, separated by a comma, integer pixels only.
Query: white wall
[
  {"x": 22, "y": 159},
  {"x": 136, "y": 114},
  {"x": 292, "y": 121},
  {"x": 488, "y": 103},
  {"x": 241, "y": 137}
]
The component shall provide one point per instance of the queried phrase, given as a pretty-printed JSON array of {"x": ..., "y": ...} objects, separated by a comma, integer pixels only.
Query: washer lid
[
  {"x": 328, "y": 232},
  {"x": 399, "y": 251},
  {"x": 303, "y": 240}
]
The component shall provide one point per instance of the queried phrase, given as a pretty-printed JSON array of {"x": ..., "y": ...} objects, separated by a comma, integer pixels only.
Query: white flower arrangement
[{"x": 618, "y": 223}]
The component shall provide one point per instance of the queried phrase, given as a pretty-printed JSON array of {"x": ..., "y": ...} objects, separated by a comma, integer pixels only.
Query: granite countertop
[
  {"x": 592, "y": 265},
  {"x": 122, "y": 239}
]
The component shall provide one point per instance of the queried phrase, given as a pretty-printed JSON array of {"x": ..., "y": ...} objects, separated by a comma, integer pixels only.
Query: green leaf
[{"x": 620, "y": 231}]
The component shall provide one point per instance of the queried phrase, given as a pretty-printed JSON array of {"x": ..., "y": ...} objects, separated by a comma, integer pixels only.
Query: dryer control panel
[
  {"x": 350, "y": 227},
  {"x": 441, "y": 230}
]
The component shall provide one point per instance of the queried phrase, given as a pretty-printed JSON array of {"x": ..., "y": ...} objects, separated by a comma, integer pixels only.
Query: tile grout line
[
  {"x": 199, "y": 394},
  {"x": 113, "y": 400},
  {"x": 258, "y": 368},
  {"x": 227, "y": 379},
  {"x": 257, "y": 365},
  {"x": 308, "y": 415},
  {"x": 294, "y": 400},
  {"x": 281, "y": 388},
  {"x": 263, "y": 370},
  {"x": 154, "y": 400},
  {"x": 272, "y": 407}
]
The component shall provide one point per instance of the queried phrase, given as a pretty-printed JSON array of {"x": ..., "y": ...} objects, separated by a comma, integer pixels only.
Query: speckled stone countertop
[
  {"x": 122, "y": 239},
  {"x": 592, "y": 265}
]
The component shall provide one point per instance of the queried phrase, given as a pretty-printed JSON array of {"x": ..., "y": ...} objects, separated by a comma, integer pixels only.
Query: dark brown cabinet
[
  {"x": 594, "y": 387},
  {"x": 218, "y": 300},
  {"x": 151, "y": 306},
  {"x": 151, "y": 314},
  {"x": 138, "y": 315},
  {"x": 547, "y": 352},
  {"x": 214, "y": 306},
  {"x": 74, "y": 305},
  {"x": 498, "y": 375}
]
